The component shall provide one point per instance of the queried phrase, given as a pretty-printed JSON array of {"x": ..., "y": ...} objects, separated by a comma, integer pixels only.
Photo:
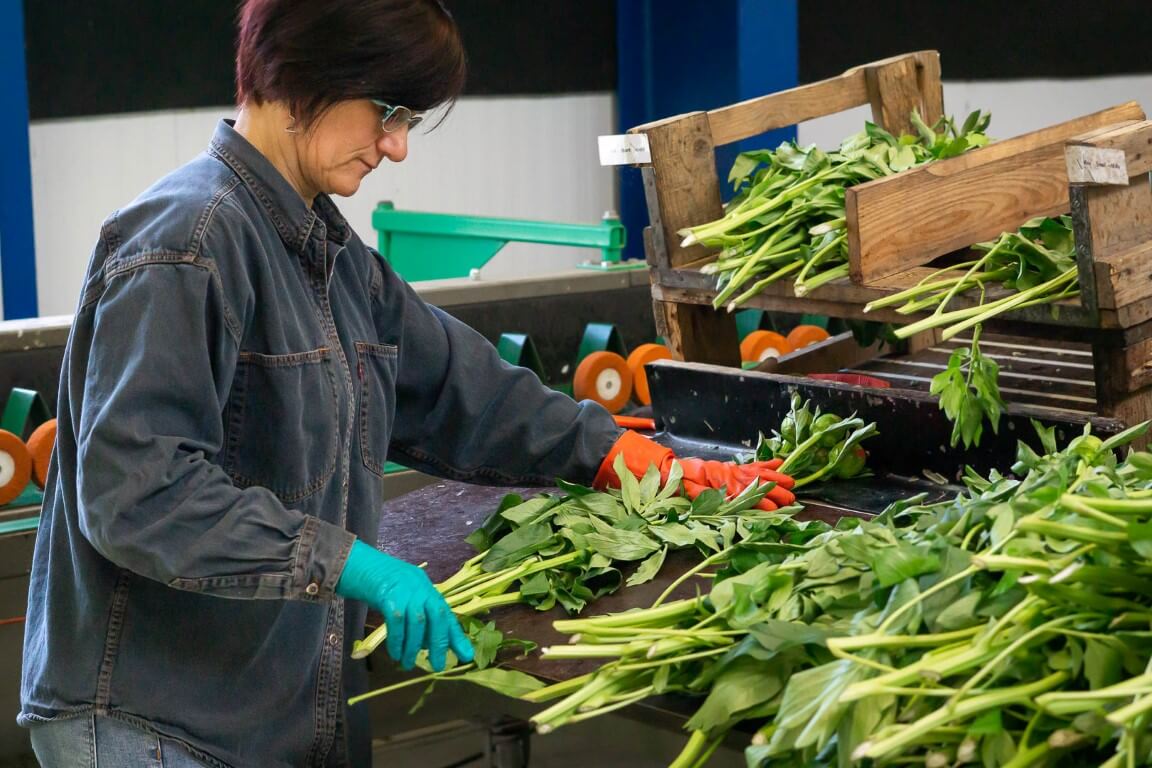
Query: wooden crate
[
  {"x": 682, "y": 187},
  {"x": 895, "y": 224}
]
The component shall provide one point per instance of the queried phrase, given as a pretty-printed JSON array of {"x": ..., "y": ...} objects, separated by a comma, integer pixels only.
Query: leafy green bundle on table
[
  {"x": 787, "y": 218},
  {"x": 568, "y": 549},
  {"x": 1010, "y": 626}
]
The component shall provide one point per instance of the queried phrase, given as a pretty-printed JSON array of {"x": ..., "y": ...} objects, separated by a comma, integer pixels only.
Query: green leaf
[
  {"x": 676, "y": 534},
  {"x": 572, "y": 489},
  {"x": 1103, "y": 662},
  {"x": 622, "y": 545},
  {"x": 629, "y": 486},
  {"x": 777, "y": 635},
  {"x": 506, "y": 681},
  {"x": 603, "y": 505},
  {"x": 486, "y": 642},
  {"x": 536, "y": 584},
  {"x": 960, "y": 614},
  {"x": 530, "y": 511},
  {"x": 811, "y": 708},
  {"x": 649, "y": 485},
  {"x": 495, "y": 526},
  {"x": 1140, "y": 535},
  {"x": 708, "y": 502},
  {"x": 517, "y": 546},
  {"x": 744, "y": 684},
  {"x": 648, "y": 569},
  {"x": 988, "y": 723}
]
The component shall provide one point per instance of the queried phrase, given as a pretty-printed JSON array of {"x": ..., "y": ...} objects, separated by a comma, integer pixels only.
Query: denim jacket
[{"x": 239, "y": 369}]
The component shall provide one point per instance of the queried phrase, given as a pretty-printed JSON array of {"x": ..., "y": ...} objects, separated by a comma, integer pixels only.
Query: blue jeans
[{"x": 100, "y": 741}]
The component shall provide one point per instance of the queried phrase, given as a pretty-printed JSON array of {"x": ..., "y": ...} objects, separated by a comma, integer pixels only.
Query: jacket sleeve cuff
[
  {"x": 639, "y": 453},
  {"x": 320, "y": 559}
]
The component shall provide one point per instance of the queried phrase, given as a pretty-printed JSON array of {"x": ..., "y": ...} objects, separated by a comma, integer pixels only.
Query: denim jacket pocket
[
  {"x": 280, "y": 423},
  {"x": 376, "y": 369}
]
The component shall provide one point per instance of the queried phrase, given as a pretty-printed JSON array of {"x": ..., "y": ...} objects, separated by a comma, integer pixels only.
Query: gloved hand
[
  {"x": 416, "y": 614},
  {"x": 699, "y": 474}
]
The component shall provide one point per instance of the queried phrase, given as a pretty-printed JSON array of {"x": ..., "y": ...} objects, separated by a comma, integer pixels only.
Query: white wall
[
  {"x": 525, "y": 158},
  {"x": 1017, "y": 106},
  {"x": 528, "y": 158}
]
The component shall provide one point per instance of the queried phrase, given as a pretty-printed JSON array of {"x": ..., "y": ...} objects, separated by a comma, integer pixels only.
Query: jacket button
[
  {"x": 333, "y": 639},
  {"x": 312, "y": 589}
]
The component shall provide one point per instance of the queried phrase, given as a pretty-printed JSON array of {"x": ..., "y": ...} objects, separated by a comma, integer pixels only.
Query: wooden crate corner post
[
  {"x": 1111, "y": 196},
  {"x": 682, "y": 189}
]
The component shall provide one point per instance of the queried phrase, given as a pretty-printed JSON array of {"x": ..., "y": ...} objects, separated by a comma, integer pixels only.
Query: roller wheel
[
  {"x": 40, "y": 444},
  {"x": 758, "y": 346},
  {"x": 641, "y": 356},
  {"x": 15, "y": 466},
  {"x": 803, "y": 335},
  {"x": 605, "y": 378}
]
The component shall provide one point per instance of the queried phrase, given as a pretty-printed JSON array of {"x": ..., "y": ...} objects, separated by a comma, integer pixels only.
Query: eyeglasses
[{"x": 393, "y": 118}]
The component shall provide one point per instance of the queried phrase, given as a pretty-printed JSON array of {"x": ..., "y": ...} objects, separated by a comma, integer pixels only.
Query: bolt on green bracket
[{"x": 436, "y": 246}]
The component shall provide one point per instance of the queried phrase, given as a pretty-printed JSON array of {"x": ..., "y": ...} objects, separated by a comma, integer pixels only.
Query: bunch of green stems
[
  {"x": 1009, "y": 627},
  {"x": 788, "y": 217},
  {"x": 1037, "y": 266}
]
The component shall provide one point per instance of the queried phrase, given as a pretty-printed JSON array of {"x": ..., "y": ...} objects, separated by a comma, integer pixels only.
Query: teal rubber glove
[{"x": 416, "y": 615}]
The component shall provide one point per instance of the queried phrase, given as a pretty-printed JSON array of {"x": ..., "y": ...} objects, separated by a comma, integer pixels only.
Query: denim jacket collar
[{"x": 294, "y": 220}]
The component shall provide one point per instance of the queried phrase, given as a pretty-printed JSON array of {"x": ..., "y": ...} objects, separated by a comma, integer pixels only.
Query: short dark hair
[{"x": 312, "y": 54}]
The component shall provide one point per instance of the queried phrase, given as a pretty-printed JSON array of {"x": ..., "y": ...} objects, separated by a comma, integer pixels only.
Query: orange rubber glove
[{"x": 699, "y": 474}]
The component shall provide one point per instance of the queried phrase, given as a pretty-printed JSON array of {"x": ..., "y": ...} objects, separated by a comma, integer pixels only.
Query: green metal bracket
[
  {"x": 435, "y": 246},
  {"x": 748, "y": 320},
  {"x": 600, "y": 337},
  {"x": 518, "y": 349},
  {"x": 22, "y": 405}
]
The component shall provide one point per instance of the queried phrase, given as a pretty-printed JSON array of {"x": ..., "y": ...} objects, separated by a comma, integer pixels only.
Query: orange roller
[
  {"x": 641, "y": 356},
  {"x": 803, "y": 335},
  {"x": 15, "y": 466},
  {"x": 605, "y": 378},
  {"x": 40, "y": 444},
  {"x": 761, "y": 345}
]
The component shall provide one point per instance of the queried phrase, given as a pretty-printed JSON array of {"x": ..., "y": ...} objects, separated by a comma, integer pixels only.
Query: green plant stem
[
  {"x": 660, "y": 615},
  {"x": 878, "y": 640},
  {"x": 562, "y": 688},
  {"x": 964, "y": 710},
  {"x": 431, "y": 676},
  {"x": 821, "y": 279},
  {"x": 1009, "y": 303},
  {"x": 703, "y": 564}
]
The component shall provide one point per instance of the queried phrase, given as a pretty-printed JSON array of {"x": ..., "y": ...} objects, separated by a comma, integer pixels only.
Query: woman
[{"x": 239, "y": 368}]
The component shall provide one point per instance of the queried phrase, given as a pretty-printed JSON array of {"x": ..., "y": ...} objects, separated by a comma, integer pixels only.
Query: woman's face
[{"x": 345, "y": 145}]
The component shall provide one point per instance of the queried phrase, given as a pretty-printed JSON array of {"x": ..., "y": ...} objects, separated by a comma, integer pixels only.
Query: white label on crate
[
  {"x": 1095, "y": 165},
  {"x": 624, "y": 149}
]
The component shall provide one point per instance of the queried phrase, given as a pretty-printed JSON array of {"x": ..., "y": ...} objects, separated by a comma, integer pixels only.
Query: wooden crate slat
[
  {"x": 843, "y": 298},
  {"x": 1134, "y": 139},
  {"x": 962, "y": 200},
  {"x": 780, "y": 110},
  {"x": 1126, "y": 278},
  {"x": 835, "y": 94}
]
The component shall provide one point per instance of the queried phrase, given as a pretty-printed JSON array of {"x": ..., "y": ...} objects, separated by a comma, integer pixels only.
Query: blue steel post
[
  {"x": 767, "y": 32},
  {"x": 676, "y": 56},
  {"x": 17, "y": 245}
]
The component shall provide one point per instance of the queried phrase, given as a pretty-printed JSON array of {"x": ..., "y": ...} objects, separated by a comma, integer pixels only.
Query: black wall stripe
[
  {"x": 980, "y": 39},
  {"x": 90, "y": 57}
]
